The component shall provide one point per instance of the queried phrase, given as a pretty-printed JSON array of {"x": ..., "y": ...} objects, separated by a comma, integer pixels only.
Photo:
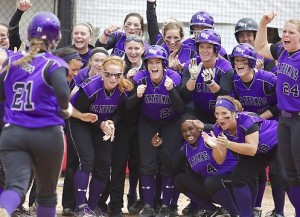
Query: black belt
[{"x": 288, "y": 114}]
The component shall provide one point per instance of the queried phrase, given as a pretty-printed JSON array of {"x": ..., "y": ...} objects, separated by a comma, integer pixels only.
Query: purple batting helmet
[
  {"x": 245, "y": 24},
  {"x": 244, "y": 50},
  {"x": 202, "y": 18},
  {"x": 156, "y": 51},
  {"x": 45, "y": 25},
  {"x": 209, "y": 36}
]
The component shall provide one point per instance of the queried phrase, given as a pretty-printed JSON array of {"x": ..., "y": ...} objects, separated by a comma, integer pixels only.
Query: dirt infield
[{"x": 267, "y": 202}]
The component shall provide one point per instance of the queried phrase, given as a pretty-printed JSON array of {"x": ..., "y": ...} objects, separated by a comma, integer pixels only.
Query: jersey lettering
[
  {"x": 288, "y": 90},
  {"x": 22, "y": 96}
]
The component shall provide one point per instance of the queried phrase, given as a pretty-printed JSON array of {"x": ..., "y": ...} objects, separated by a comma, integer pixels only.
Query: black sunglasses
[{"x": 109, "y": 75}]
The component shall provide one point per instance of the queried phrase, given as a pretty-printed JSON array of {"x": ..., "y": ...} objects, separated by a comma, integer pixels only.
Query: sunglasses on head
[
  {"x": 109, "y": 75},
  {"x": 133, "y": 38}
]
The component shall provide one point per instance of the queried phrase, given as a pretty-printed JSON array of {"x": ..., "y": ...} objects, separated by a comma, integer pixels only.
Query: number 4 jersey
[{"x": 30, "y": 100}]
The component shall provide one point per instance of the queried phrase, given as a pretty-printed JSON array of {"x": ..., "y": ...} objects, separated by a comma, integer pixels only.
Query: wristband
[
  {"x": 68, "y": 111},
  {"x": 210, "y": 83},
  {"x": 104, "y": 32},
  {"x": 228, "y": 144}
]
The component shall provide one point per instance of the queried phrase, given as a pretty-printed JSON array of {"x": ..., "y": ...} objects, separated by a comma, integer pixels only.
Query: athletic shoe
[
  {"x": 147, "y": 211},
  {"x": 136, "y": 207},
  {"x": 67, "y": 212},
  {"x": 257, "y": 212},
  {"x": 98, "y": 211},
  {"x": 218, "y": 212},
  {"x": 21, "y": 212},
  {"x": 84, "y": 211},
  {"x": 174, "y": 211},
  {"x": 163, "y": 211},
  {"x": 273, "y": 214},
  {"x": 131, "y": 199}
]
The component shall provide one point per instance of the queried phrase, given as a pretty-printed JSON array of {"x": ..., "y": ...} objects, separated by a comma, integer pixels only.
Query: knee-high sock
[
  {"x": 10, "y": 200},
  {"x": 97, "y": 187},
  {"x": 81, "y": 181},
  {"x": 133, "y": 180},
  {"x": 225, "y": 199},
  {"x": 260, "y": 194},
  {"x": 279, "y": 200},
  {"x": 243, "y": 199},
  {"x": 168, "y": 186},
  {"x": 293, "y": 193},
  {"x": 202, "y": 203},
  {"x": 43, "y": 211},
  {"x": 148, "y": 187}
]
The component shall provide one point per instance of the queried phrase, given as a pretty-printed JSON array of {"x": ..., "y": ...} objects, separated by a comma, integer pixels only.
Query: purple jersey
[
  {"x": 30, "y": 100},
  {"x": 202, "y": 162},
  {"x": 259, "y": 95},
  {"x": 267, "y": 131},
  {"x": 202, "y": 97},
  {"x": 156, "y": 103},
  {"x": 102, "y": 104},
  {"x": 82, "y": 75},
  {"x": 288, "y": 80}
]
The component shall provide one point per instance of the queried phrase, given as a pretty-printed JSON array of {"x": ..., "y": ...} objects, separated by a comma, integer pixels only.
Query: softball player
[
  {"x": 170, "y": 40},
  {"x": 207, "y": 76},
  {"x": 34, "y": 98},
  {"x": 161, "y": 104},
  {"x": 125, "y": 148},
  {"x": 255, "y": 89},
  {"x": 250, "y": 137},
  {"x": 103, "y": 96},
  {"x": 206, "y": 183},
  {"x": 113, "y": 39},
  {"x": 287, "y": 91},
  {"x": 245, "y": 32},
  {"x": 201, "y": 20}
]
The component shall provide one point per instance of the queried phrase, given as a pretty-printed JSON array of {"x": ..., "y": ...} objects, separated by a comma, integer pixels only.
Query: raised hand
[
  {"x": 141, "y": 90},
  {"x": 210, "y": 140},
  {"x": 24, "y": 5},
  {"x": 208, "y": 76},
  {"x": 268, "y": 17},
  {"x": 168, "y": 83},
  {"x": 194, "y": 69}
]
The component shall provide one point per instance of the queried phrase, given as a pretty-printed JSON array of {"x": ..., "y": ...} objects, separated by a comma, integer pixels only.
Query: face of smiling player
[
  {"x": 111, "y": 76},
  {"x": 155, "y": 69},
  {"x": 243, "y": 70},
  {"x": 190, "y": 132},
  {"x": 133, "y": 26},
  {"x": 291, "y": 37},
  {"x": 82, "y": 36}
]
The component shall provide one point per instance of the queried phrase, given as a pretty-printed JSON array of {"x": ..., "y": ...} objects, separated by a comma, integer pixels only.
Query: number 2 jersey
[
  {"x": 245, "y": 120},
  {"x": 30, "y": 100}
]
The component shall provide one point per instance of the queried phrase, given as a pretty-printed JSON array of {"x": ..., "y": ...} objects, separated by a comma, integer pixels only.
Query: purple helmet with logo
[
  {"x": 244, "y": 50},
  {"x": 245, "y": 24},
  {"x": 209, "y": 36},
  {"x": 202, "y": 18},
  {"x": 156, "y": 51},
  {"x": 45, "y": 25}
]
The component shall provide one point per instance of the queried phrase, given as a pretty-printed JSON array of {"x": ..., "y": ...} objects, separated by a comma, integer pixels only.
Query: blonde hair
[
  {"x": 36, "y": 45},
  {"x": 174, "y": 25},
  {"x": 238, "y": 106},
  {"x": 125, "y": 84},
  {"x": 296, "y": 22}
]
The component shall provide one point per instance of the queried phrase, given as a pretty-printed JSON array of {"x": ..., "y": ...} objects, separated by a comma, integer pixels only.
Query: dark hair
[
  {"x": 186, "y": 116},
  {"x": 99, "y": 50},
  {"x": 68, "y": 54},
  {"x": 138, "y": 16}
]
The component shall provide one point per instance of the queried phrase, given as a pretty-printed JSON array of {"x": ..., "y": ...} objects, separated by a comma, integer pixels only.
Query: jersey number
[
  {"x": 22, "y": 96},
  {"x": 211, "y": 169},
  {"x": 287, "y": 90}
]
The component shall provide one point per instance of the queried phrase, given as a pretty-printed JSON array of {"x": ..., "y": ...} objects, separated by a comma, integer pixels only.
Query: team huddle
[{"x": 185, "y": 116}]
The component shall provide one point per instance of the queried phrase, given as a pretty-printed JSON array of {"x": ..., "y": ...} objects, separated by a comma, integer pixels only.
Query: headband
[
  {"x": 71, "y": 56},
  {"x": 87, "y": 25},
  {"x": 226, "y": 104}
]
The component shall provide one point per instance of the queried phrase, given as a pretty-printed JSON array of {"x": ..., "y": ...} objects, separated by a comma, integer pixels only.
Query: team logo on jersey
[
  {"x": 204, "y": 35},
  {"x": 28, "y": 67},
  {"x": 239, "y": 50},
  {"x": 242, "y": 24},
  {"x": 202, "y": 19}
]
